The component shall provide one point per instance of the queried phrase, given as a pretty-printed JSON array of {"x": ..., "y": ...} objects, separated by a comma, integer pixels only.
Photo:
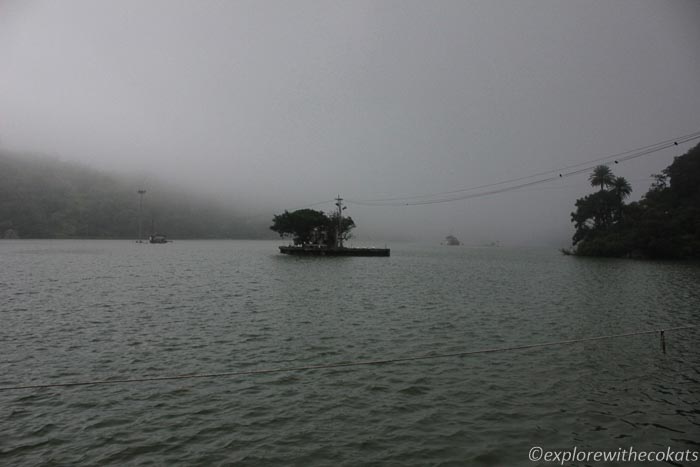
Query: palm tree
[
  {"x": 621, "y": 187},
  {"x": 602, "y": 176}
]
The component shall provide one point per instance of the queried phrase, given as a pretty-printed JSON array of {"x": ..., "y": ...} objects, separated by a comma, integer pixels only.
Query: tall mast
[{"x": 339, "y": 236}]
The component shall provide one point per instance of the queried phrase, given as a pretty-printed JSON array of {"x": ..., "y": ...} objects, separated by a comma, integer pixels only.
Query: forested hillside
[
  {"x": 665, "y": 223},
  {"x": 47, "y": 198}
]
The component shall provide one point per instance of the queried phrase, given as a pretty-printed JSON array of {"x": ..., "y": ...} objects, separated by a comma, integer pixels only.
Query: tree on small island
[
  {"x": 452, "y": 240},
  {"x": 665, "y": 223},
  {"x": 311, "y": 227}
]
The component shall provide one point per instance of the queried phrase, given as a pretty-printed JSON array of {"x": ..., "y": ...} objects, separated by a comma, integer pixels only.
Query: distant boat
[{"x": 157, "y": 238}]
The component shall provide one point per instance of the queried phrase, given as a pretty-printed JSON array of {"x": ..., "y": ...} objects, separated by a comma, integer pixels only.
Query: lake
[{"x": 76, "y": 310}]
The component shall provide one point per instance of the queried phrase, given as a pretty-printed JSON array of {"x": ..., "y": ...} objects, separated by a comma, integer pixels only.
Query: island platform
[{"x": 311, "y": 250}]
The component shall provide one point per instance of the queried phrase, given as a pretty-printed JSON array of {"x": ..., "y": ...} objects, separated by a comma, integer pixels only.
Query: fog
[{"x": 277, "y": 105}]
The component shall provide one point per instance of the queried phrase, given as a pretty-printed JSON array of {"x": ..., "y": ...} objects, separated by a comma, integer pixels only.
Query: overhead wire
[
  {"x": 652, "y": 148},
  {"x": 327, "y": 366},
  {"x": 443, "y": 197}
]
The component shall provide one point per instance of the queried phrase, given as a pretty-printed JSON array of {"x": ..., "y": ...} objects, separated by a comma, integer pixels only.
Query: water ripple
[{"x": 191, "y": 307}]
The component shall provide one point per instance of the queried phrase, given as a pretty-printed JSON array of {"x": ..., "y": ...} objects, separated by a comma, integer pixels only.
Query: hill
[{"x": 48, "y": 198}]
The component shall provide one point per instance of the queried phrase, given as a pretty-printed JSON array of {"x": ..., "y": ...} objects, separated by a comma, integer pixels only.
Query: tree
[
  {"x": 622, "y": 189},
  {"x": 346, "y": 225},
  {"x": 660, "y": 182},
  {"x": 684, "y": 175},
  {"x": 307, "y": 226},
  {"x": 594, "y": 214},
  {"x": 602, "y": 176},
  {"x": 665, "y": 223},
  {"x": 597, "y": 214},
  {"x": 300, "y": 225}
]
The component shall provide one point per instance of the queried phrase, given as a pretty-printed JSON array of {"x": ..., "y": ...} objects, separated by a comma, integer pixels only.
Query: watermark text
[{"x": 629, "y": 454}]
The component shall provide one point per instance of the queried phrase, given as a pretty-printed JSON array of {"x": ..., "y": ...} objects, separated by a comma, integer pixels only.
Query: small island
[
  {"x": 451, "y": 240},
  {"x": 315, "y": 233}
]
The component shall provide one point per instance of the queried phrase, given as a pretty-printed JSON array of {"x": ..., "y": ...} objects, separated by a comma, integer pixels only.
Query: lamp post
[{"x": 141, "y": 193}]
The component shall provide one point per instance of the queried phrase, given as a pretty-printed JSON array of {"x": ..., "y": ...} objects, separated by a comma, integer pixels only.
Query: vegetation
[
  {"x": 665, "y": 223},
  {"x": 46, "y": 198},
  {"x": 452, "y": 240},
  {"x": 602, "y": 176},
  {"x": 308, "y": 226}
]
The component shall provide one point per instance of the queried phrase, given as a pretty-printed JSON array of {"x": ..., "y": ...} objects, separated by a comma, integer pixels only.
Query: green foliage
[
  {"x": 683, "y": 176},
  {"x": 307, "y": 226},
  {"x": 594, "y": 213},
  {"x": 621, "y": 188},
  {"x": 346, "y": 225},
  {"x": 602, "y": 176},
  {"x": 301, "y": 224},
  {"x": 46, "y": 198},
  {"x": 665, "y": 223}
]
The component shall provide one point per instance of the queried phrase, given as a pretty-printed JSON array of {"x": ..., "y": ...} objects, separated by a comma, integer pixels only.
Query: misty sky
[{"x": 276, "y": 104}]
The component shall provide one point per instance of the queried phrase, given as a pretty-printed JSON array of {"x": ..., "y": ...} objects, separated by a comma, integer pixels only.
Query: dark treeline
[
  {"x": 47, "y": 198},
  {"x": 665, "y": 223}
]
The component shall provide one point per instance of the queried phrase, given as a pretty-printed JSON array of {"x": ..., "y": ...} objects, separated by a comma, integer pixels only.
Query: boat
[
  {"x": 157, "y": 238},
  {"x": 321, "y": 246}
]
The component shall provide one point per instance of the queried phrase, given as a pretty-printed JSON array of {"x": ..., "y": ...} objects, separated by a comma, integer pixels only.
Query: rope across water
[{"x": 327, "y": 366}]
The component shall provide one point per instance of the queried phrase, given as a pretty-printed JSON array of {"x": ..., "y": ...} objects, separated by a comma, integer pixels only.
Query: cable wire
[
  {"x": 341, "y": 364},
  {"x": 444, "y": 197}
]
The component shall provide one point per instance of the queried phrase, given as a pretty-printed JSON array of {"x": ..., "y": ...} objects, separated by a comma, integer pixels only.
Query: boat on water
[
  {"x": 157, "y": 238},
  {"x": 324, "y": 243}
]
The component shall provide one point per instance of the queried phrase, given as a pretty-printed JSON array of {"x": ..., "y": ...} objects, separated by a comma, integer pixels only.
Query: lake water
[{"x": 84, "y": 310}]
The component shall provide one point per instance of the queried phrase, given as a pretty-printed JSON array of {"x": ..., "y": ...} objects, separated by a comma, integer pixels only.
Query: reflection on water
[{"x": 75, "y": 310}]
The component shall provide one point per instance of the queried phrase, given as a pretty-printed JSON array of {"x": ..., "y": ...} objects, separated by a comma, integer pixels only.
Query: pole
[
  {"x": 141, "y": 193},
  {"x": 339, "y": 240}
]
